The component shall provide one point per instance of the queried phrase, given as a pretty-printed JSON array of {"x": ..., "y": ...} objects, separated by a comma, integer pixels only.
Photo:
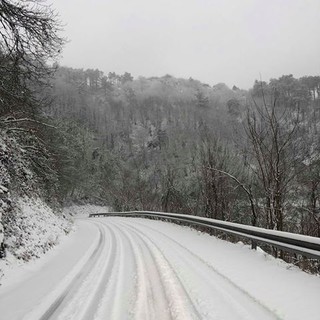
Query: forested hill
[
  {"x": 141, "y": 143},
  {"x": 179, "y": 145}
]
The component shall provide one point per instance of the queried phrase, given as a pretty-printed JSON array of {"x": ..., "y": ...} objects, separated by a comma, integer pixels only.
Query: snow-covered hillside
[
  {"x": 32, "y": 229},
  {"x": 28, "y": 226}
]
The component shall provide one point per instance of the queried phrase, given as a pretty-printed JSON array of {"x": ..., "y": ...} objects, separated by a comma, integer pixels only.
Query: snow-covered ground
[
  {"x": 129, "y": 268},
  {"x": 32, "y": 230}
]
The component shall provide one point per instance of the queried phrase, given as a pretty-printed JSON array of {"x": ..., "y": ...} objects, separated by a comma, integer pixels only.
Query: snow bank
[{"x": 31, "y": 230}]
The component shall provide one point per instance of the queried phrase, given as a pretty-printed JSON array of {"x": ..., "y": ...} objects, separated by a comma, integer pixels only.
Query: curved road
[{"x": 136, "y": 269}]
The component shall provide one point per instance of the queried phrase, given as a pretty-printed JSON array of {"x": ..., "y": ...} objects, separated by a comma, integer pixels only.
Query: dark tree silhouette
[{"x": 28, "y": 40}]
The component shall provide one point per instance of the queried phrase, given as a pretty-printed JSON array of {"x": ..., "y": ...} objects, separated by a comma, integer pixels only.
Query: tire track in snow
[
  {"x": 116, "y": 295},
  {"x": 232, "y": 294},
  {"x": 57, "y": 305},
  {"x": 180, "y": 304},
  {"x": 97, "y": 294},
  {"x": 84, "y": 302},
  {"x": 150, "y": 294}
]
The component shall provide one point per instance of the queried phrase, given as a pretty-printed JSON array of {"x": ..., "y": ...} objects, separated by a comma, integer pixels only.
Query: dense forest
[
  {"x": 179, "y": 145},
  {"x": 161, "y": 143}
]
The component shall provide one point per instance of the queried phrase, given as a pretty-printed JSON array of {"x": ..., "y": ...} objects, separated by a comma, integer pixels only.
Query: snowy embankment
[
  {"x": 32, "y": 229},
  {"x": 130, "y": 268},
  {"x": 28, "y": 226}
]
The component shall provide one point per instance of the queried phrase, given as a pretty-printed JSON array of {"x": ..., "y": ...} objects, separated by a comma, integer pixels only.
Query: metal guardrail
[{"x": 299, "y": 244}]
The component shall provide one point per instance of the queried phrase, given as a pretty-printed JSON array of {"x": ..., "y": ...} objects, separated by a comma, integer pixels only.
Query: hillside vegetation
[{"x": 182, "y": 146}]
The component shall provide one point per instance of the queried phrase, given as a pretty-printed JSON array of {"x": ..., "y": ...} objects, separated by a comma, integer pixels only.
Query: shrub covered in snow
[
  {"x": 28, "y": 226},
  {"x": 33, "y": 228}
]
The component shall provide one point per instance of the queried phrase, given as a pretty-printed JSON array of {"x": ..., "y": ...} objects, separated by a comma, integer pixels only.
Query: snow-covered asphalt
[{"x": 127, "y": 268}]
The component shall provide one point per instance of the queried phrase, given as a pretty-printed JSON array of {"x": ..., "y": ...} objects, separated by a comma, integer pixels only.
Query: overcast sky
[{"x": 230, "y": 41}]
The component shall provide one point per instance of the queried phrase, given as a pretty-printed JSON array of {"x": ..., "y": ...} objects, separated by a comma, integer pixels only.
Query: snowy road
[{"x": 125, "y": 268}]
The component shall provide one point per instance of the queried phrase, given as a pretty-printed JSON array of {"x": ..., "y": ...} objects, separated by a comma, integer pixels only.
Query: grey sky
[{"x": 231, "y": 41}]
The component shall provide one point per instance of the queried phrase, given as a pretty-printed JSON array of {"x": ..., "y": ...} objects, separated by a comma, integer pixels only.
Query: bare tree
[
  {"x": 28, "y": 39},
  {"x": 29, "y": 32},
  {"x": 248, "y": 191},
  {"x": 270, "y": 130}
]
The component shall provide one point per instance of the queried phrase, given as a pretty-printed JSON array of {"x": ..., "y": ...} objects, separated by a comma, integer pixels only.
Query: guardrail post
[{"x": 253, "y": 244}]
